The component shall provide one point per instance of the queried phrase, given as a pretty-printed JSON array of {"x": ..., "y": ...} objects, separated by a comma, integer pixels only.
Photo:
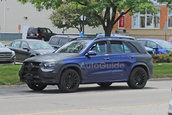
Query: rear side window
[
  {"x": 54, "y": 40},
  {"x": 151, "y": 44},
  {"x": 142, "y": 42},
  {"x": 119, "y": 47},
  {"x": 64, "y": 41}
]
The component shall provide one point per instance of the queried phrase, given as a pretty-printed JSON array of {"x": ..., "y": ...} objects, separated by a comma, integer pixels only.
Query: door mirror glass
[{"x": 91, "y": 52}]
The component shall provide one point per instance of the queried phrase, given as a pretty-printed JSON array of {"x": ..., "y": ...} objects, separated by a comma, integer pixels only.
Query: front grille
[
  {"x": 31, "y": 67},
  {"x": 5, "y": 55}
]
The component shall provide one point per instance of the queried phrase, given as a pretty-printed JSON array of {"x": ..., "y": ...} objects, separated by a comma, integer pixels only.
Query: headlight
[
  {"x": 48, "y": 67},
  {"x": 13, "y": 53}
]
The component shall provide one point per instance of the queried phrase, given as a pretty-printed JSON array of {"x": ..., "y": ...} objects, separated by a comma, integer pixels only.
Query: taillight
[{"x": 37, "y": 34}]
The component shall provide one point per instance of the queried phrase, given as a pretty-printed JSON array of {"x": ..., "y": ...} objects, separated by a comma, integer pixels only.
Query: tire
[
  {"x": 104, "y": 84},
  {"x": 138, "y": 78},
  {"x": 36, "y": 87},
  {"x": 42, "y": 38},
  {"x": 69, "y": 81}
]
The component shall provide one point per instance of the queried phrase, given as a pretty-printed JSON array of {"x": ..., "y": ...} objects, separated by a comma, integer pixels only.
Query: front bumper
[{"x": 33, "y": 74}]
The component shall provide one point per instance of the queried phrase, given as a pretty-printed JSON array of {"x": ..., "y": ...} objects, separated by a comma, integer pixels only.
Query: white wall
[{"x": 16, "y": 13}]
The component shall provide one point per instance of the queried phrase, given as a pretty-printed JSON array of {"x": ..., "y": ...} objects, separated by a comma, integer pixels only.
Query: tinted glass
[
  {"x": 165, "y": 44},
  {"x": 49, "y": 31},
  {"x": 16, "y": 44},
  {"x": 74, "y": 47},
  {"x": 39, "y": 45},
  {"x": 24, "y": 45},
  {"x": 54, "y": 41},
  {"x": 1, "y": 45},
  {"x": 142, "y": 42},
  {"x": 100, "y": 48},
  {"x": 151, "y": 44},
  {"x": 117, "y": 47},
  {"x": 64, "y": 41}
]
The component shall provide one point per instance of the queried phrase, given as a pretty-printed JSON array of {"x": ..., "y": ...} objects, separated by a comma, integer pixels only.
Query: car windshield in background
[
  {"x": 165, "y": 44},
  {"x": 1, "y": 45},
  {"x": 74, "y": 47},
  {"x": 35, "y": 45}
]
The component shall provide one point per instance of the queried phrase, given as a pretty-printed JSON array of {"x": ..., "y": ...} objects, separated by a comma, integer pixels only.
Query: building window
[
  {"x": 170, "y": 17},
  {"x": 146, "y": 20}
]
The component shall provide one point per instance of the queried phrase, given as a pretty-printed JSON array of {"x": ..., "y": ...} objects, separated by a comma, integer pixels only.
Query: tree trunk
[{"x": 108, "y": 30}]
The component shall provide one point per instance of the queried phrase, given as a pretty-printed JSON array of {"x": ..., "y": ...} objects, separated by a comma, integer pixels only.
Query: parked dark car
[
  {"x": 29, "y": 48},
  {"x": 58, "y": 41},
  {"x": 39, "y": 33},
  {"x": 6, "y": 55},
  {"x": 102, "y": 61}
]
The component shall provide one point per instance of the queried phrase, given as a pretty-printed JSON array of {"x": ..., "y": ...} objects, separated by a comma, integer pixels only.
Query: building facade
[{"x": 147, "y": 25}]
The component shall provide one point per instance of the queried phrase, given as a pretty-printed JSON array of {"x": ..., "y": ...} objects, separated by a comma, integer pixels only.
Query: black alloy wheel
[
  {"x": 138, "y": 78},
  {"x": 36, "y": 87},
  {"x": 69, "y": 81}
]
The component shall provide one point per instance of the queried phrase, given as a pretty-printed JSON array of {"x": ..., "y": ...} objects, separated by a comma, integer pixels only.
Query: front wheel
[
  {"x": 69, "y": 81},
  {"x": 138, "y": 78},
  {"x": 36, "y": 87}
]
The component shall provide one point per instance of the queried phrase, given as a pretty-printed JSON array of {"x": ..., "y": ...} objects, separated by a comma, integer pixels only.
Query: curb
[{"x": 160, "y": 79}]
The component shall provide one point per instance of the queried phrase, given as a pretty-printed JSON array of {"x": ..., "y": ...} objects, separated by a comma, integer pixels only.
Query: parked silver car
[
  {"x": 6, "y": 55},
  {"x": 170, "y": 108}
]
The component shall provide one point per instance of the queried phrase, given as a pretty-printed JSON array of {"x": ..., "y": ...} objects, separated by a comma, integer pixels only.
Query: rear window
[
  {"x": 32, "y": 30},
  {"x": 54, "y": 40},
  {"x": 64, "y": 41}
]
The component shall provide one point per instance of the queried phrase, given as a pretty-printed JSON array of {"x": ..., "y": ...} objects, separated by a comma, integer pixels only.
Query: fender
[
  {"x": 141, "y": 64},
  {"x": 73, "y": 66}
]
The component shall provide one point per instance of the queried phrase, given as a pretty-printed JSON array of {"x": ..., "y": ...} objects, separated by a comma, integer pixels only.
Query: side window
[
  {"x": 24, "y": 45},
  {"x": 100, "y": 48},
  {"x": 151, "y": 44},
  {"x": 49, "y": 31},
  {"x": 126, "y": 49},
  {"x": 16, "y": 44},
  {"x": 142, "y": 42},
  {"x": 116, "y": 47}
]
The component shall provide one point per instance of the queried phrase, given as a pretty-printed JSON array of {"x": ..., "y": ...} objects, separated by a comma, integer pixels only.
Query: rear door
[{"x": 122, "y": 60}]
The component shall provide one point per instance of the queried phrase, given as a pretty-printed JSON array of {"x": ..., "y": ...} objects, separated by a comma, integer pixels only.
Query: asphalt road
[{"x": 89, "y": 100}]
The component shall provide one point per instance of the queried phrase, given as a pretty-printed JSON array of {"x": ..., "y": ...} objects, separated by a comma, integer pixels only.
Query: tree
[
  {"x": 104, "y": 10},
  {"x": 71, "y": 15}
]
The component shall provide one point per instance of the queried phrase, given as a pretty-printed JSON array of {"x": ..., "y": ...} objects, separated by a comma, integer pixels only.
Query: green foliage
[
  {"x": 71, "y": 13},
  {"x": 162, "y": 70},
  {"x": 9, "y": 74},
  {"x": 103, "y": 10}
]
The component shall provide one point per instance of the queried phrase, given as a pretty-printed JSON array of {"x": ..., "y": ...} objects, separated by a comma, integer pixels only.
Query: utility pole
[{"x": 5, "y": 7}]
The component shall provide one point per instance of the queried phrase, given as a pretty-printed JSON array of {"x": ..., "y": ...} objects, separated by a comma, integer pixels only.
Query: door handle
[
  {"x": 106, "y": 58},
  {"x": 131, "y": 57}
]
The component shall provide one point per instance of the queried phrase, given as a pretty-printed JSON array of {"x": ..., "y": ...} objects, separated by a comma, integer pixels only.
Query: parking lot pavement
[{"x": 90, "y": 99}]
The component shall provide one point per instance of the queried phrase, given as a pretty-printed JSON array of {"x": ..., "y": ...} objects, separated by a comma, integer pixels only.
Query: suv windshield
[
  {"x": 1, "y": 45},
  {"x": 38, "y": 45},
  {"x": 74, "y": 47},
  {"x": 165, "y": 44}
]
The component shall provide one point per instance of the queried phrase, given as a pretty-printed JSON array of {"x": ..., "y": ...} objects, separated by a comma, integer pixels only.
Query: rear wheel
[
  {"x": 36, "y": 87},
  {"x": 42, "y": 38},
  {"x": 70, "y": 81},
  {"x": 138, "y": 78},
  {"x": 104, "y": 84}
]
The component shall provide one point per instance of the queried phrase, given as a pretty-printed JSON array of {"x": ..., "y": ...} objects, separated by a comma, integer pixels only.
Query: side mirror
[
  {"x": 25, "y": 48},
  {"x": 91, "y": 52}
]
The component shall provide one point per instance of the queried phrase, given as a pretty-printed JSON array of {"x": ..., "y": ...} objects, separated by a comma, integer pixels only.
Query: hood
[
  {"x": 5, "y": 49},
  {"x": 53, "y": 57},
  {"x": 42, "y": 52}
]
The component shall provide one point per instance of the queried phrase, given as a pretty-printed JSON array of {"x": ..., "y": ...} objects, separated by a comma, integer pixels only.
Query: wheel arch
[
  {"x": 74, "y": 67},
  {"x": 144, "y": 66}
]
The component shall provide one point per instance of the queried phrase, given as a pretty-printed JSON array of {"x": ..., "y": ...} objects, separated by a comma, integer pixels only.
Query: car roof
[
  {"x": 149, "y": 39},
  {"x": 116, "y": 35},
  {"x": 27, "y": 40}
]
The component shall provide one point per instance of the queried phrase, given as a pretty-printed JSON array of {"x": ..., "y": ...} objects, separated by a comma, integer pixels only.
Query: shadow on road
[{"x": 90, "y": 89}]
